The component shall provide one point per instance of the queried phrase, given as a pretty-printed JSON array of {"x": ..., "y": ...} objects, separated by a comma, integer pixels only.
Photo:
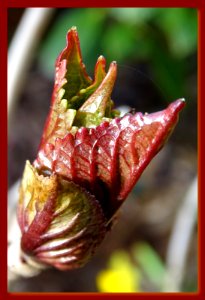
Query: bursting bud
[{"x": 88, "y": 161}]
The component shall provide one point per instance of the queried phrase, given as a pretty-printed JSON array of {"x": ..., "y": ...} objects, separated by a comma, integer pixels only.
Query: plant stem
[
  {"x": 21, "y": 50},
  {"x": 180, "y": 240}
]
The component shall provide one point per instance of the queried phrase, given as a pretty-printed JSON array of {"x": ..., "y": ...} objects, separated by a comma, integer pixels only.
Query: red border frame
[{"x": 200, "y": 5}]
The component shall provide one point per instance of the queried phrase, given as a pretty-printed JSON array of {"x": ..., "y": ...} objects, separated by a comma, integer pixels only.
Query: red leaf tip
[{"x": 177, "y": 105}]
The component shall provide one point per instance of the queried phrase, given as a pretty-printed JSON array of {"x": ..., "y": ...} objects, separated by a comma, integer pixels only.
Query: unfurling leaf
[{"x": 88, "y": 161}]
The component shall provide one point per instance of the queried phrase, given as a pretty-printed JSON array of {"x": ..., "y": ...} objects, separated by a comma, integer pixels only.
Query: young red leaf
[{"x": 109, "y": 159}]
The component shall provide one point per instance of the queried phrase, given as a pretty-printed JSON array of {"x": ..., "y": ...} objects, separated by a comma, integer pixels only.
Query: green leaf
[
  {"x": 118, "y": 42},
  {"x": 150, "y": 262},
  {"x": 168, "y": 73},
  {"x": 180, "y": 28},
  {"x": 134, "y": 15}
]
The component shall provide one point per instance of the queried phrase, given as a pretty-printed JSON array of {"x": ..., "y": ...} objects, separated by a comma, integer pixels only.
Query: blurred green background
[
  {"x": 165, "y": 39},
  {"x": 156, "y": 52}
]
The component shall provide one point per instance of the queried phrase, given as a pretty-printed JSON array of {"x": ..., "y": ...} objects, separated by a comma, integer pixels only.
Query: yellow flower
[{"x": 120, "y": 277}]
